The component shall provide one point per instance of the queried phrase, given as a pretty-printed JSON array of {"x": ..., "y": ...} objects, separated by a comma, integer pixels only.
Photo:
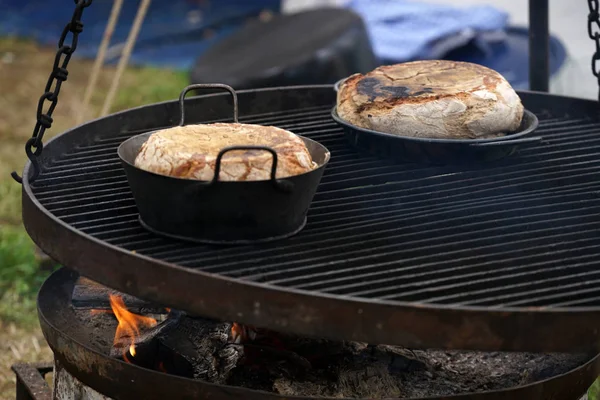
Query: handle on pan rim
[
  {"x": 284, "y": 185},
  {"x": 534, "y": 139},
  {"x": 206, "y": 86}
]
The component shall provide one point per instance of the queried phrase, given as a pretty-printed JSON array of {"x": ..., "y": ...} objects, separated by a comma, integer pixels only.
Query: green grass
[
  {"x": 10, "y": 202},
  {"x": 594, "y": 392},
  {"x": 152, "y": 86},
  {"x": 20, "y": 276}
]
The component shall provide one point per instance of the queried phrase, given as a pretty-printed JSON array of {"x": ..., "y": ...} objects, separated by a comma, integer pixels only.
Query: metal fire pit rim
[
  {"x": 68, "y": 355},
  {"x": 301, "y": 315}
]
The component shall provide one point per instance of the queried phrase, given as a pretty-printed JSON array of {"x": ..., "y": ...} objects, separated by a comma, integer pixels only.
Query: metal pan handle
[
  {"x": 534, "y": 139},
  {"x": 207, "y": 86},
  {"x": 284, "y": 185}
]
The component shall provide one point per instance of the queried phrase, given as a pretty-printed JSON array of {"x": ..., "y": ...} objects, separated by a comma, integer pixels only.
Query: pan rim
[{"x": 507, "y": 138}]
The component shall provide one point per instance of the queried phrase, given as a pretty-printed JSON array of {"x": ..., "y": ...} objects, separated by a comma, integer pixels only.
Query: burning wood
[
  {"x": 129, "y": 327},
  {"x": 207, "y": 346},
  {"x": 199, "y": 348}
]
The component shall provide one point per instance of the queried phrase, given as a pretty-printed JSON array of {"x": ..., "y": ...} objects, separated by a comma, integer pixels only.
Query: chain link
[
  {"x": 67, "y": 45},
  {"x": 594, "y": 34}
]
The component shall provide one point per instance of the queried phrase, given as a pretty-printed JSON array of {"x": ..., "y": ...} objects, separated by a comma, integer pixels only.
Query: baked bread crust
[
  {"x": 431, "y": 99},
  {"x": 190, "y": 152}
]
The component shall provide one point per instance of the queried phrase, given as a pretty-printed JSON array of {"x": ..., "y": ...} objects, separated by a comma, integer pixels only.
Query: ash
[{"x": 298, "y": 366}]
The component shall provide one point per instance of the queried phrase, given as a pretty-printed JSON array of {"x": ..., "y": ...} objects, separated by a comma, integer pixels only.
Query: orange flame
[
  {"x": 237, "y": 332},
  {"x": 242, "y": 333},
  {"x": 129, "y": 324}
]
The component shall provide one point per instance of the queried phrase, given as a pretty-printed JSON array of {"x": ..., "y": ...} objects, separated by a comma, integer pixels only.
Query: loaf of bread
[
  {"x": 431, "y": 99},
  {"x": 191, "y": 151}
]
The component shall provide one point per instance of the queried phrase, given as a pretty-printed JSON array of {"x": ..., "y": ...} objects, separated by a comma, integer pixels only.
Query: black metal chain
[
  {"x": 34, "y": 146},
  {"x": 594, "y": 33}
]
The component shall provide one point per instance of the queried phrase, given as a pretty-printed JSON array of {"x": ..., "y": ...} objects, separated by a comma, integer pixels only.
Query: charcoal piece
[
  {"x": 205, "y": 345},
  {"x": 312, "y": 349},
  {"x": 146, "y": 343}
]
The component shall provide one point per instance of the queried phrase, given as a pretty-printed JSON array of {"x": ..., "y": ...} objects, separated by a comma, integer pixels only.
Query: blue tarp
[
  {"x": 174, "y": 32},
  {"x": 408, "y": 30}
]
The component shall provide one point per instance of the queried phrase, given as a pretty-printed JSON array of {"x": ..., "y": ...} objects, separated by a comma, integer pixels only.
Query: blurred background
[{"x": 246, "y": 44}]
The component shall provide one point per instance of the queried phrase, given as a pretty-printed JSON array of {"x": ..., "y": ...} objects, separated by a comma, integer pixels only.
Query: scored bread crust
[
  {"x": 431, "y": 99},
  {"x": 191, "y": 151}
]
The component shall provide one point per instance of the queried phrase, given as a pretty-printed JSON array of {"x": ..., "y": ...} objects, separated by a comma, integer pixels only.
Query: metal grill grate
[{"x": 518, "y": 233}]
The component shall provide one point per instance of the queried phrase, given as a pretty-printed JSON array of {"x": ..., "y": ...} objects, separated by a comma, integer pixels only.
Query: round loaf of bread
[
  {"x": 191, "y": 151},
  {"x": 431, "y": 99}
]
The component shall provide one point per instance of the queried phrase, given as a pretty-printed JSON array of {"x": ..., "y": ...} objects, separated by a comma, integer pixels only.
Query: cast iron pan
[
  {"x": 438, "y": 151},
  {"x": 220, "y": 212}
]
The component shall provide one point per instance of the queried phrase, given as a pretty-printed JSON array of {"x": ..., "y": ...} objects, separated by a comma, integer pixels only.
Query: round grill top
[{"x": 501, "y": 256}]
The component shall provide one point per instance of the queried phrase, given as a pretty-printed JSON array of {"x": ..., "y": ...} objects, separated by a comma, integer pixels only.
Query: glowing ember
[
  {"x": 237, "y": 332},
  {"x": 98, "y": 312},
  {"x": 242, "y": 333},
  {"x": 129, "y": 324}
]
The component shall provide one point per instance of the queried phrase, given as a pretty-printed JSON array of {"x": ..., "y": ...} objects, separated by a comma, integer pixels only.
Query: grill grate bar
[
  {"x": 116, "y": 211},
  {"x": 91, "y": 185},
  {"x": 393, "y": 241},
  {"x": 550, "y": 300},
  {"x": 416, "y": 272},
  {"x": 94, "y": 206},
  {"x": 98, "y": 223},
  {"x": 65, "y": 200},
  {"x": 510, "y": 276},
  {"x": 588, "y": 301},
  {"x": 534, "y": 286},
  {"x": 123, "y": 224},
  {"x": 423, "y": 277},
  {"x": 75, "y": 158},
  {"x": 544, "y": 122}
]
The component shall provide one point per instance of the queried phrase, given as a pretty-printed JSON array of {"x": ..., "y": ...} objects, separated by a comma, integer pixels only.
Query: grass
[
  {"x": 20, "y": 278},
  {"x": 24, "y": 69},
  {"x": 594, "y": 392}
]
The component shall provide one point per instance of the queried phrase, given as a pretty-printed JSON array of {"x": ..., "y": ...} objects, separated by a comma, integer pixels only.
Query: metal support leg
[
  {"x": 539, "y": 52},
  {"x": 30, "y": 381}
]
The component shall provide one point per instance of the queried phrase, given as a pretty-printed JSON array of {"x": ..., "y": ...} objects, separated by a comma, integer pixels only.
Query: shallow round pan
[
  {"x": 439, "y": 151},
  {"x": 222, "y": 212}
]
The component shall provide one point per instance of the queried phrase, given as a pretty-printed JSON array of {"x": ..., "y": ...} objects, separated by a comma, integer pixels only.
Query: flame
[
  {"x": 129, "y": 324},
  {"x": 242, "y": 333},
  {"x": 237, "y": 332}
]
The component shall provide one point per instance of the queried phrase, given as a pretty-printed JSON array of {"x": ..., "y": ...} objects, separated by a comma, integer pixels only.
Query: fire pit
[{"x": 190, "y": 357}]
